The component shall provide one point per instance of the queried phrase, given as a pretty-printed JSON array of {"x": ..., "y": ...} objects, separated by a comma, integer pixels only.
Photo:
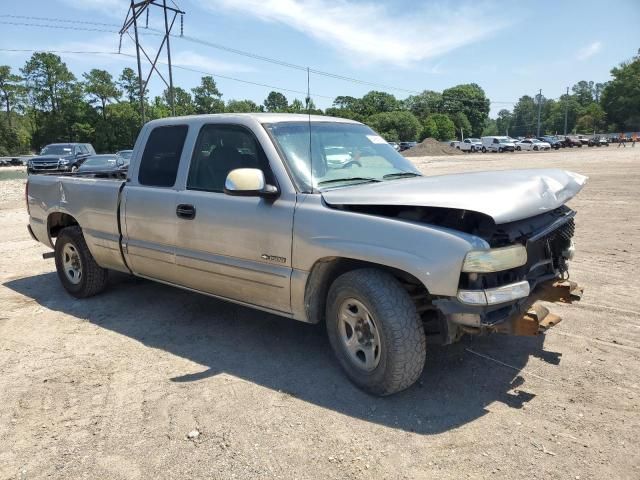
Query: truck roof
[{"x": 259, "y": 117}]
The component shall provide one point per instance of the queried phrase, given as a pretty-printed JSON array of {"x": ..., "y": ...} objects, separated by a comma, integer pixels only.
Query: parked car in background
[
  {"x": 599, "y": 141},
  {"x": 552, "y": 140},
  {"x": 407, "y": 145},
  {"x": 571, "y": 141},
  {"x": 497, "y": 144},
  {"x": 126, "y": 154},
  {"x": 532, "y": 144},
  {"x": 60, "y": 157},
  {"x": 584, "y": 139},
  {"x": 470, "y": 145},
  {"x": 103, "y": 164},
  {"x": 395, "y": 146},
  {"x": 454, "y": 144}
]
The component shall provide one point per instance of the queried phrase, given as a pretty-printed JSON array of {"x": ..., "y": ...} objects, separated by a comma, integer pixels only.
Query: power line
[
  {"x": 192, "y": 39},
  {"x": 181, "y": 67},
  {"x": 255, "y": 56}
]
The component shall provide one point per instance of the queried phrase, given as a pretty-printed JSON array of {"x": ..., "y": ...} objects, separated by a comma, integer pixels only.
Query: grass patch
[{"x": 12, "y": 174}]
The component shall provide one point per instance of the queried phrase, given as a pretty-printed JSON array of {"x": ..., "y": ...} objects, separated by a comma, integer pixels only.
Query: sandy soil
[{"x": 110, "y": 387}]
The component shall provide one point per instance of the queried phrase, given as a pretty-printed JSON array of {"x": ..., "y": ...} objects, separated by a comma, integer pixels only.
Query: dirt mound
[{"x": 431, "y": 147}]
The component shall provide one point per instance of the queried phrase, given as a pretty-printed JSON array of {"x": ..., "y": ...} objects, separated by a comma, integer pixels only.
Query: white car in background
[
  {"x": 532, "y": 144},
  {"x": 470, "y": 145}
]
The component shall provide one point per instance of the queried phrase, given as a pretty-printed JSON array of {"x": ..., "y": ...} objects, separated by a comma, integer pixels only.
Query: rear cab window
[{"x": 161, "y": 157}]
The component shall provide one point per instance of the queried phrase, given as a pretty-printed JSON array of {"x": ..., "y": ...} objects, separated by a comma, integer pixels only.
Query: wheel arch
[
  {"x": 56, "y": 221},
  {"x": 325, "y": 270}
]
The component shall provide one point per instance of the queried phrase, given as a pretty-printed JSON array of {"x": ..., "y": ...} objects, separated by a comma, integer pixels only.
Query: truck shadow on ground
[{"x": 295, "y": 358}]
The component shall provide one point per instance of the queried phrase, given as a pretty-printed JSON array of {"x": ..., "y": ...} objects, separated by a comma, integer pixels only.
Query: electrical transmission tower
[{"x": 136, "y": 9}]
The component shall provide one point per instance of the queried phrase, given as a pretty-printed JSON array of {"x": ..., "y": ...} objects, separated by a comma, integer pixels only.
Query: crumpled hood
[{"x": 505, "y": 196}]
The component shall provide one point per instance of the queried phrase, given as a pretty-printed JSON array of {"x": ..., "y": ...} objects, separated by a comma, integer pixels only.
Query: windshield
[
  {"x": 342, "y": 153},
  {"x": 56, "y": 150}
]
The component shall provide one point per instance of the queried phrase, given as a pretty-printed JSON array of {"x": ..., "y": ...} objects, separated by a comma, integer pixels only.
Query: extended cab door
[
  {"x": 231, "y": 246},
  {"x": 149, "y": 204}
]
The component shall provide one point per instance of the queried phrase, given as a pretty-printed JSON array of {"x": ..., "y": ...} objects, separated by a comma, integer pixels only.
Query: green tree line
[{"x": 44, "y": 102}]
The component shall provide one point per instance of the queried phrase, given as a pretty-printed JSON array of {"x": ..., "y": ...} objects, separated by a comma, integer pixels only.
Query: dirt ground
[{"x": 110, "y": 387}]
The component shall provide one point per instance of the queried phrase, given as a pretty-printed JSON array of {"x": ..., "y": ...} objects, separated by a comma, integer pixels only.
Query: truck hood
[
  {"x": 52, "y": 158},
  {"x": 505, "y": 196}
]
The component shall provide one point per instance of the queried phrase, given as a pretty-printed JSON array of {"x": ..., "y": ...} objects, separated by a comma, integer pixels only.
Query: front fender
[{"x": 433, "y": 255}]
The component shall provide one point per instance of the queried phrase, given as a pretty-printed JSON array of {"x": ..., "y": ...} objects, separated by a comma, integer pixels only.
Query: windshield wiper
[
  {"x": 400, "y": 175},
  {"x": 349, "y": 179}
]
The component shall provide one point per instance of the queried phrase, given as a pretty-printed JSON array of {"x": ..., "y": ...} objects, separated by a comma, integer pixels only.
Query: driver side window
[{"x": 220, "y": 149}]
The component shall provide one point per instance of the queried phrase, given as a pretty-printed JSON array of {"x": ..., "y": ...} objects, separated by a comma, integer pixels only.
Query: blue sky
[{"x": 509, "y": 48}]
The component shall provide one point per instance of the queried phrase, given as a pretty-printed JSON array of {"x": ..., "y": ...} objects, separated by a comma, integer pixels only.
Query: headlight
[
  {"x": 63, "y": 162},
  {"x": 495, "y": 260},
  {"x": 495, "y": 296}
]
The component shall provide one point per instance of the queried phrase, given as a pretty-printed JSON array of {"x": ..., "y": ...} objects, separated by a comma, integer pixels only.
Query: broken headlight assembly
[{"x": 495, "y": 259}]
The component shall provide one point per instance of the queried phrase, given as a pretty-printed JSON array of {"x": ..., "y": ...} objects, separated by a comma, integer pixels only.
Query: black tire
[
  {"x": 473, "y": 149},
  {"x": 402, "y": 340},
  {"x": 518, "y": 148},
  {"x": 500, "y": 150},
  {"x": 484, "y": 150},
  {"x": 535, "y": 149},
  {"x": 93, "y": 279}
]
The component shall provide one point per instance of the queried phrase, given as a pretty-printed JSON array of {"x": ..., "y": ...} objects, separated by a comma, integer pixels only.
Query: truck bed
[{"x": 92, "y": 201}]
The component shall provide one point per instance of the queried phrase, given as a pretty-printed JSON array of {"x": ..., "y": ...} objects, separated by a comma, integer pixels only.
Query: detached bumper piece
[{"x": 537, "y": 318}]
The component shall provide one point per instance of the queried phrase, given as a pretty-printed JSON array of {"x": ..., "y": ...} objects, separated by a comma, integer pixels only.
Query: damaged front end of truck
[
  {"x": 509, "y": 300},
  {"x": 527, "y": 231}
]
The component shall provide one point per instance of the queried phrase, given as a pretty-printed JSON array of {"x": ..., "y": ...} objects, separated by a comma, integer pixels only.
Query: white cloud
[
  {"x": 373, "y": 32},
  {"x": 589, "y": 51}
]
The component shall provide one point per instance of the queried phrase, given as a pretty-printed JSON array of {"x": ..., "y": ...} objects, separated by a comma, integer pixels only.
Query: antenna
[{"x": 308, "y": 100}]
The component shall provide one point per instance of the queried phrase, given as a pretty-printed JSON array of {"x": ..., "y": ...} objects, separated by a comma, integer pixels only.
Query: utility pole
[
  {"x": 136, "y": 9},
  {"x": 566, "y": 110},
  {"x": 539, "y": 108}
]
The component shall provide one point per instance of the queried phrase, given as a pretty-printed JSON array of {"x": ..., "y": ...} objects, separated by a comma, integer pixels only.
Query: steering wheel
[{"x": 352, "y": 163}]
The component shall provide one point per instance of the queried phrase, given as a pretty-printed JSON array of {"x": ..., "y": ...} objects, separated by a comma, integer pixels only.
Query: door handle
[{"x": 188, "y": 212}]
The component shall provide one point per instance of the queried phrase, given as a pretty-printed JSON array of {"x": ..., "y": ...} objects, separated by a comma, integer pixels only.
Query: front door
[
  {"x": 234, "y": 247},
  {"x": 148, "y": 208}
]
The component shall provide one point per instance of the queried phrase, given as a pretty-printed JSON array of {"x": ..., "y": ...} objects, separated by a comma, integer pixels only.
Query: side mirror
[{"x": 248, "y": 182}]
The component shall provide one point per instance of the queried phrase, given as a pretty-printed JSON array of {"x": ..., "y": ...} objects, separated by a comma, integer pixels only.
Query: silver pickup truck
[{"x": 319, "y": 219}]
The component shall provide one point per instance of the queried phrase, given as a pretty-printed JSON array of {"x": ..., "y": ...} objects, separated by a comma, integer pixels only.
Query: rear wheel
[
  {"x": 78, "y": 272},
  {"x": 484, "y": 150},
  {"x": 518, "y": 148},
  {"x": 375, "y": 331}
]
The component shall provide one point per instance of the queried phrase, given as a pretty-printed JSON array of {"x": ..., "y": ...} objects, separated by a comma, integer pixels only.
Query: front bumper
[{"x": 525, "y": 316}]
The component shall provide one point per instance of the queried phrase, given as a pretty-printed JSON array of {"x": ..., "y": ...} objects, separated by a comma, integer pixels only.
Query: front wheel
[
  {"x": 375, "y": 331},
  {"x": 78, "y": 272},
  {"x": 484, "y": 150},
  {"x": 518, "y": 148}
]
